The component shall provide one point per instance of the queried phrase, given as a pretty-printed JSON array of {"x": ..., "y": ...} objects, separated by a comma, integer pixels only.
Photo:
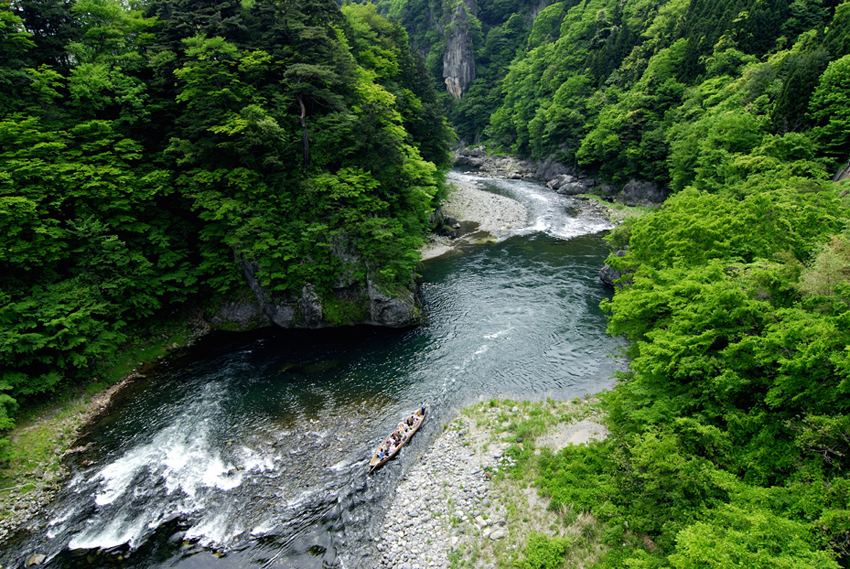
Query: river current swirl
[{"x": 251, "y": 450}]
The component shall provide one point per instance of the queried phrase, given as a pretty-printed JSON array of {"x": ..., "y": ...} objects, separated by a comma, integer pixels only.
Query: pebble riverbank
[
  {"x": 493, "y": 213},
  {"x": 450, "y": 506},
  {"x": 445, "y": 501}
]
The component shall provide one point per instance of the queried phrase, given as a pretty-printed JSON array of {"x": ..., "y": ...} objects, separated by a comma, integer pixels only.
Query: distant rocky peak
[{"x": 459, "y": 60}]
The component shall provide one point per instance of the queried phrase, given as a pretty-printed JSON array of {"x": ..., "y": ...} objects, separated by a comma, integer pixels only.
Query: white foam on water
[
  {"x": 498, "y": 334},
  {"x": 215, "y": 529},
  {"x": 547, "y": 208},
  {"x": 343, "y": 464},
  {"x": 263, "y": 528},
  {"x": 256, "y": 461},
  {"x": 117, "y": 531},
  {"x": 173, "y": 473},
  {"x": 60, "y": 519}
]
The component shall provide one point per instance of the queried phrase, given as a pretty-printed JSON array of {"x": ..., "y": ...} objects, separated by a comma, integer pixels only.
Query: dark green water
[{"x": 251, "y": 451}]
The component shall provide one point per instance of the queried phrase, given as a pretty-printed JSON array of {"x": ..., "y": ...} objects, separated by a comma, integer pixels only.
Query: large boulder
[
  {"x": 609, "y": 275},
  {"x": 473, "y": 157},
  {"x": 551, "y": 168},
  {"x": 570, "y": 185},
  {"x": 642, "y": 192}
]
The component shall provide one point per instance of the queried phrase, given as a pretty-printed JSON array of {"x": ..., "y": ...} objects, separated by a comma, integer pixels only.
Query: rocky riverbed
[{"x": 453, "y": 504}]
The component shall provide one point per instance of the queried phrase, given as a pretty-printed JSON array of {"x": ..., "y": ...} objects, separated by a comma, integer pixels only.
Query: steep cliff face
[
  {"x": 459, "y": 60},
  {"x": 346, "y": 304}
]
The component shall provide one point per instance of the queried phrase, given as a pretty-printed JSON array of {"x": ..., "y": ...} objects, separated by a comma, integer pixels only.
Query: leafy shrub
[{"x": 543, "y": 552}]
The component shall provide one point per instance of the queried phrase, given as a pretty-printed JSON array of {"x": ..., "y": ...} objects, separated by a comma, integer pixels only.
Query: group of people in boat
[{"x": 400, "y": 435}]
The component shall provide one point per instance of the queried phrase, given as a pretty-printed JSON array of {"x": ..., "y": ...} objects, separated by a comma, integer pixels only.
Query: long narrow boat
[{"x": 405, "y": 431}]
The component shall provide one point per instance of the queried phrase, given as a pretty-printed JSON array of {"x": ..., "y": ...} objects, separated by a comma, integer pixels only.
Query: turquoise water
[{"x": 251, "y": 450}]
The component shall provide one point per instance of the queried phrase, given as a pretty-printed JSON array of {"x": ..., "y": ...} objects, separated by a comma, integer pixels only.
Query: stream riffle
[{"x": 251, "y": 450}]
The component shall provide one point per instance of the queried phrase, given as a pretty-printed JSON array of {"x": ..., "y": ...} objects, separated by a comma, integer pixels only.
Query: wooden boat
[{"x": 376, "y": 462}]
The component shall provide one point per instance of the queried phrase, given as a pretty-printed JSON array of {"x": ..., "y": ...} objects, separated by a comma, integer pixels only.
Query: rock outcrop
[
  {"x": 240, "y": 314},
  {"x": 642, "y": 192},
  {"x": 395, "y": 311},
  {"x": 348, "y": 303},
  {"x": 459, "y": 59},
  {"x": 843, "y": 174},
  {"x": 608, "y": 274}
]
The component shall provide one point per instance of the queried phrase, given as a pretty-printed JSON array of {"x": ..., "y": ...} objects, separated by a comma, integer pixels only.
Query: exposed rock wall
[
  {"x": 459, "y": 59},
  {"x": 349, "y": 303}
]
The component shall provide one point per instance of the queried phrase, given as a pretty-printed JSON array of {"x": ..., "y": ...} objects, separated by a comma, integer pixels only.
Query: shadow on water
[{"x": 251, "y": 450}]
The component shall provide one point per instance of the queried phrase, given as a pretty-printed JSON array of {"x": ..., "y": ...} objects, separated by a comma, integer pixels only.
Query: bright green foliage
[
  {"x": 544, "y": 552},
  {"x": 738, "y": 537},
  {"x": 729, "y": 441}
]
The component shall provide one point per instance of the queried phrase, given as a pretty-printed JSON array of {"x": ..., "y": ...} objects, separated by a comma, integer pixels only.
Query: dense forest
[
  {"x": 730, "y": 434},
  {"x": 152, "y": 154}
]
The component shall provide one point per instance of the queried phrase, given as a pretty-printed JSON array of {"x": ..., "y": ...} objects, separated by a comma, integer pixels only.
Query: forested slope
[
  {"x": 730, "y": 434},
  {"x": 154, "y": 154}
]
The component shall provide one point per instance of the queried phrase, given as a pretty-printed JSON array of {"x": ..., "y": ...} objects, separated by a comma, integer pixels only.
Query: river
[{"x": 251, "y": 450}]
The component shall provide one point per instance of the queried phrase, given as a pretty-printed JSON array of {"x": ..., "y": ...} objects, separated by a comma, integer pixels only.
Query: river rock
[
  {"x": 608, "y": 274},
  {"x": 497, "y": 534},
  {"x": 643, "y": 193},
  {"x": 36, "y": 559},
  {"x": 843, "y": 174},
  {"x": 495, "y": 166},
  {"x": 443, "y": 487}
]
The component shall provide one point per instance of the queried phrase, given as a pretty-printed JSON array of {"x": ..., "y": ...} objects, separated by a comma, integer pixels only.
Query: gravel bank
[
  {"x": 449, "y": 506},
  {"x": 493, "y": 213},
  {"x": 445, "y": 502}
]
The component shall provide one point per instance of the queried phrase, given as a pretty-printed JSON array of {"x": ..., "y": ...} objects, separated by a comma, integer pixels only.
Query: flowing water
[{"x": 251, "y": 450}]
